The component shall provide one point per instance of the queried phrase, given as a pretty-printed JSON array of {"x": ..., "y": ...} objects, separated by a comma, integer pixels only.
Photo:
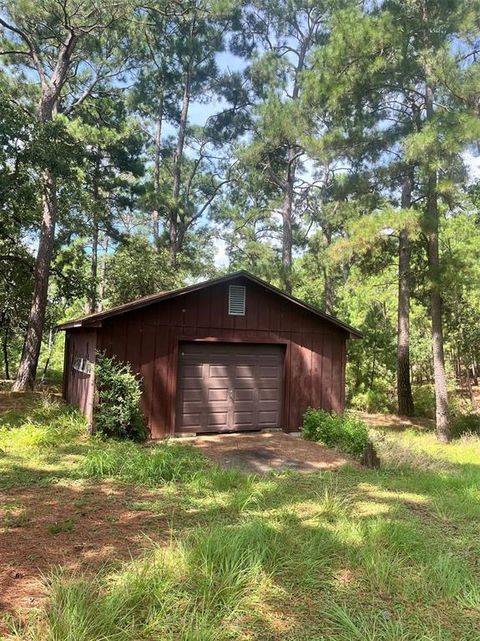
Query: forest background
[{"x": 329, "y": 147}]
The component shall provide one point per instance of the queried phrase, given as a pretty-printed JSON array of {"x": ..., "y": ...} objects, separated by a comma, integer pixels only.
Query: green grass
[
  {"x": 148, "y": 466},
  {"x": 389, "y": 555},
  {"x": 67, "y": 525}
]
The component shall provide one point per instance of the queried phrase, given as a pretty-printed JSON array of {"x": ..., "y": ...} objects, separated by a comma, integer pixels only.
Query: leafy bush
[
  {"x": 343, "y": 431},
  {"x": 150, "y": 466},
  {"x": 459, "y": 404},
  {"x": 424, "y": 400},
  {"x": 118, "y": 412},
  {"x": 372, "y": 400},
  {"x": 465, "y": 424}
]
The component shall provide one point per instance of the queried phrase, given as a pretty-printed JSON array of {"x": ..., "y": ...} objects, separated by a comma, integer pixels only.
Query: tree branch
[{"x": 31, "y": 49}]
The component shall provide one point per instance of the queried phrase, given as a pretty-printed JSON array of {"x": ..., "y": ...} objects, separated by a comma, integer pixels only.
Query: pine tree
[{"x": 47, "y": 40}]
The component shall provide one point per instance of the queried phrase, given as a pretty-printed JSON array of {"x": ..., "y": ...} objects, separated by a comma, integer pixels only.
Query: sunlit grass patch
[
  {"x": 389, "y": 555},
  {"x": 403, "y": 450},
  {"x": 190, "y": 590},
  {"x": 375, "y": 492},
  {"x": 42, "y": 444},
  {"x": 348, "y": 623},
  {"x": 67, "y": 525},
  {"x": 421, "y": 449},
  {"x": 150, "y": 466},
  {"x": 48, "y": 424}
]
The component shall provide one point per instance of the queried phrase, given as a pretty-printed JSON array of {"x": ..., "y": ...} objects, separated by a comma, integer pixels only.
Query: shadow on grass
[
  {"x": 283, "y": 575},
  {"x": 348, "y": 554}
]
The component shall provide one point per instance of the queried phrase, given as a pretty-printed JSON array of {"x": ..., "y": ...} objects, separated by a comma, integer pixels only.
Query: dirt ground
[
  {"x": 262, "y": 452},
  {"x": 76, "y": 527}
]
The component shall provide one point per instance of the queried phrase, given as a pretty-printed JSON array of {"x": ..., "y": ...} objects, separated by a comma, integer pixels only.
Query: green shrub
[
  {"x": 343, "y": 431},
  {"x": 118, "y": 412},
  {"x": 465, "y": 424},
  {"x": 458, "y": 404},
  {"x": 372, "y": 400},
  {"x": 424, "y": 400}
]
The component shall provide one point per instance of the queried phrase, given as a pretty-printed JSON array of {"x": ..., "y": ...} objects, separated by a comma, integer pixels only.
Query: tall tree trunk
[
  {"x": 431, "y": 232},
  {"x": 49, "y": 356},
  {"x": 156, "y": 174},
  {"x": 471, "y": 394},
  {"x": 177, "y": 170},
  {"x": 5, "y": 353},
  {"x": 288, "y": 191},
  {"x": 329, "y": 292},
  {"x": 287, "y": 214},
  {"x": 474, "y": 371},
  {"x": 404, "y": 387},
  {"x": 101, "y": 293},
  {"x": 47, "y": 109},
  {"x": 93, "y": 294},
  {"x": 31, "y": 347},
  {"x": 374, "y": 363},
  {"x": 93, "y": 302}
]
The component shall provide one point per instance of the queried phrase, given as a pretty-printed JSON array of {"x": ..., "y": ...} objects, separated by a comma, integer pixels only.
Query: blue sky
[{"x": 199, "y": 114}]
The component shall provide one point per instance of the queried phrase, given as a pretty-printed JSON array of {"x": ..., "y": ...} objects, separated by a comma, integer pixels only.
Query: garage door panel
[
  {"x": 216, "y": 383},
  {"x": 244, "y": 394},
  {"x": 245, "y": 406},
  {"x": 243, "y": 418},
  {"x": 219, "y": 419},
  {"x": 270, "y": 371},
  {"x": 229, "y": 386},
  {"x": 244, "y": 383},
  {"x": 193, "y": 371},
  {"x": 192, "y": 384},
  {"x": 268, "y": 394},
  {"x": 267, "y": 418},
  {"x": 190, "y": 420},
  {"x": 268, "y": 408},
  {"x": 267, "y": 384},
  {"x": 190, "y": 395},
  {"x": 217, "y": 394},
  {"x": 244, "y": 371},
  {"x": 218, "y": 371}
]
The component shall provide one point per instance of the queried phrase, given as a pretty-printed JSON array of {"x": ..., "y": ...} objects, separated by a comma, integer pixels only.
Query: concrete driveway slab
[{"x": 262, "y": 452}]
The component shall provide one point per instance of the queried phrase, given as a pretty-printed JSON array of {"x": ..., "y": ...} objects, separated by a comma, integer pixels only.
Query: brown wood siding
[
  {"x": 314, "y": 364},
  {"x": 79, "y": 388}
]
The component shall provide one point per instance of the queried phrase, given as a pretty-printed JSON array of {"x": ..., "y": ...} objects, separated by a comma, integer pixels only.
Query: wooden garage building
[{"x": 230, "y": 354}]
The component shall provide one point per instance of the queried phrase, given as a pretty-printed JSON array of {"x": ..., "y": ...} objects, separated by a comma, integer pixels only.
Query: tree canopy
[{"x": 329, "y": 147}]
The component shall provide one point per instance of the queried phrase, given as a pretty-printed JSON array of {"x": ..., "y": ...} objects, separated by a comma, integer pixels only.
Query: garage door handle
[{"x": 231, "y": 394}]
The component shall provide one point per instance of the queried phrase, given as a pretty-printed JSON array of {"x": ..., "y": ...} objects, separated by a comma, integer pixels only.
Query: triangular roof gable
[{"x": 93, "y": 319}]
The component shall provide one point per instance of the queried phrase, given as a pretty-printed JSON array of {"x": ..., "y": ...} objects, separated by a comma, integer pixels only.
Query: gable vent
[{"x": 236, "y": 300}]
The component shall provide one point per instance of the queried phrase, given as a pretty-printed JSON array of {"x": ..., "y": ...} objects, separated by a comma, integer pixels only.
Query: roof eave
[
  {"x": 76, "y": 324},
  {"x": 95, "y": 320}
]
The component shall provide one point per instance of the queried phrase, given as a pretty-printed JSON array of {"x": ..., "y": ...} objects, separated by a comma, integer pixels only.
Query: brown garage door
[{"x": 229, "y": 386}]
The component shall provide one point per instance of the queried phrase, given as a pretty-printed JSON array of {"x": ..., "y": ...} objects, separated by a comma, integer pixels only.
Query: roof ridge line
[{"x": 90, "y": 319}]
